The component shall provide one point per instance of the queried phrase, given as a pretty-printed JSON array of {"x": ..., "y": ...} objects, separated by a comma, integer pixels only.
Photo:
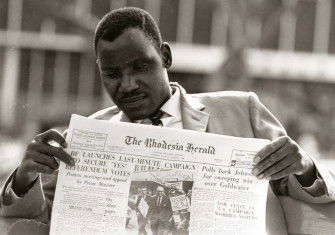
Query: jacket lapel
[{"x": 193, "y": 116}]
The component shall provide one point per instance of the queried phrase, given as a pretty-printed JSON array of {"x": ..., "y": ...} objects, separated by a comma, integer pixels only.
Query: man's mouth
[{"x": 132, "y": 100}]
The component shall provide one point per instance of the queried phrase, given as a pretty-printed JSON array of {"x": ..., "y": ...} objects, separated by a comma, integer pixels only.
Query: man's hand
[
  {"x": 281, "y": 158},
  {"x": 40, "y": 157}
]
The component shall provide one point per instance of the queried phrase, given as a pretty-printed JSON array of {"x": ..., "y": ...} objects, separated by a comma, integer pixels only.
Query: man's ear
[{"x": 166, "y": 55}]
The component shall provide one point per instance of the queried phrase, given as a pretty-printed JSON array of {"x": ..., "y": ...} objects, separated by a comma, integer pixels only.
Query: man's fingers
[
  {"x": 274, "y": 169},
  {"x": 271, "y": 160},
  {"x": 55, "y": 152},
  {"x": 45, "y": 160},
  {"x": 51, "y": 135},
  {"x": 285, "y": 172},
  {"x": 32, "y": 166},
  {"x": 271, "y": 148}
]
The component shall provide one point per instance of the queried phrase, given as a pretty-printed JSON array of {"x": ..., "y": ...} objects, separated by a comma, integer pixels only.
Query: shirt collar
[
  {"x": 120, "y": 117},
  {"x": 172, "y": 106}
]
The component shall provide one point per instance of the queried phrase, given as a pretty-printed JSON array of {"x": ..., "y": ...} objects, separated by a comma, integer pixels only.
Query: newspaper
[{"x": 132, "y": 179}]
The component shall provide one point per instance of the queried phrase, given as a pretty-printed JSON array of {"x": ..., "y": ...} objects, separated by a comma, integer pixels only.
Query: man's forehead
[
  {"x": 118, "y": 53},
  {"x": 129, "y": 39}
]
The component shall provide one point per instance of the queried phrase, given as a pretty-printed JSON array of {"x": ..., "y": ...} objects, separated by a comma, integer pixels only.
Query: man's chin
[{"x": 136, "y": 114}]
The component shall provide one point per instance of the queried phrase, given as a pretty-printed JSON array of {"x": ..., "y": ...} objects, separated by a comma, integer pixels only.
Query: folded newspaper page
[{"x": 139, "y": 179}]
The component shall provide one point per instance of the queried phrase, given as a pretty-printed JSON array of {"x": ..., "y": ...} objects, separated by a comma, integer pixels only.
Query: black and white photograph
[
  {"x": 252, "y": 70},
  {"x": 159, "y": 202}
]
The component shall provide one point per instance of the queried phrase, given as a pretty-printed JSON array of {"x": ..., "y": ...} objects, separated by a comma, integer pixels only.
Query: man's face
[
  {"x": 143, "y": 192},
  {"x": 160, "y": 191},
  {"x": 133, "y": 73},
  {"x": 189, "y": 193}
]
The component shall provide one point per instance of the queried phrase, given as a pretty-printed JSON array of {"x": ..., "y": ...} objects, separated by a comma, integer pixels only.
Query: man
[
  {"x": 133, "y": 63},
  {"x": 141, "y": 207},
  {"x": 160, "y": 212},
  {"x": 189, "y": 197}
]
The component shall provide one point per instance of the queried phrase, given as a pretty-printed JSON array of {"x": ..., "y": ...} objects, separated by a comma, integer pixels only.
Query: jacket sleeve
[
  {"x": 266, "y": 126},
  {"x": 36, "y": 203}
]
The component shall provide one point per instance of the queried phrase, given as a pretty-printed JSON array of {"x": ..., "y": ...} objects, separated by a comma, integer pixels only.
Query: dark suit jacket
[{"x": 163, "y": 211}]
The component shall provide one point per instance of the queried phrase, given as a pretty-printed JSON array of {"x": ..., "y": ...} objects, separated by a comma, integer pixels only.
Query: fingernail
[
  {"x": 268, "y": 177},
  {"x": 255, "y": 171},
  {"x": 257, "y": 159},
  {"x": 260, "y": 176}
]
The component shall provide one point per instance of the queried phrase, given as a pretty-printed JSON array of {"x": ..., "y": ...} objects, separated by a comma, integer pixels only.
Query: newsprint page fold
[{"x": 132, "y": 178}]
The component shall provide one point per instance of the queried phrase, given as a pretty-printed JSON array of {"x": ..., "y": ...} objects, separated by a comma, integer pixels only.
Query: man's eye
[
  {"x": 113, "y": 75},
  {"x": 140, "y": 66}
]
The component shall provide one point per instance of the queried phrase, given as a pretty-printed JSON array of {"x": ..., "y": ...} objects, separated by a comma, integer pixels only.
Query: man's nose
[{"x": 128, "y": 83}]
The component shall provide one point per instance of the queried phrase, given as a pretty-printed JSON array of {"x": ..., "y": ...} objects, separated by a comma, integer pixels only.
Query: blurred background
[{"x": 281, "y": 49}]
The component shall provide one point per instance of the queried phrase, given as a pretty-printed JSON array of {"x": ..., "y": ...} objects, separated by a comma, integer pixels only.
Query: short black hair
[{"x": 116, "y": 21}]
